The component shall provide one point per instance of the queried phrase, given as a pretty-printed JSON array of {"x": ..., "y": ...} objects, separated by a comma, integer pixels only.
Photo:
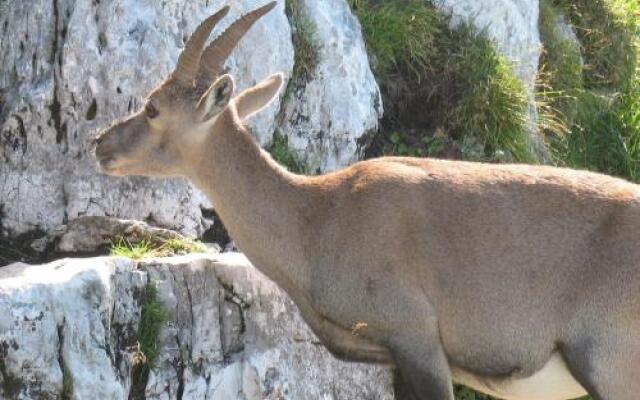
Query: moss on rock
[
  {"x": 306, "y": 53},
  {"x": 282, "y": 153}
]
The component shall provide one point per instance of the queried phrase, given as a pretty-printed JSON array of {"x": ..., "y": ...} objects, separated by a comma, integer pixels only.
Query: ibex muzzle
[{"x": 520, "y": 281}]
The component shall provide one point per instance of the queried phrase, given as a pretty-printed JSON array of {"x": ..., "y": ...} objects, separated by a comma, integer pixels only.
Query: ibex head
[{"x": 179, "y": 113}]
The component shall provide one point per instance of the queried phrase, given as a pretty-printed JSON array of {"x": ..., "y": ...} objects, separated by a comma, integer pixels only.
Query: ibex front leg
[{"x": 422, "y": 365}]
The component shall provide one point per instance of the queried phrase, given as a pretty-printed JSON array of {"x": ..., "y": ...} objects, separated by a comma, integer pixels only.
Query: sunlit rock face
[
  {"x": 326, "y": 116},
  {"x": 70, "y": 330},
  {"x": 70, "y": 67}
]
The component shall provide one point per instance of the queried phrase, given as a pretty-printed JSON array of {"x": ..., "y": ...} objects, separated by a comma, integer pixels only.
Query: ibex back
[{"x": 520, "y": 281}]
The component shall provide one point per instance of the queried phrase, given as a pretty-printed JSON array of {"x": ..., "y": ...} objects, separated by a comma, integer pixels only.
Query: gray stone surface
[
  {"x": 69, "y": 67},
  {"x": 511, "y": 24},
  {"x": 231, "y": 334},
  {"x": 91, "y": 234},
  {"x": 325, "y": 118}
]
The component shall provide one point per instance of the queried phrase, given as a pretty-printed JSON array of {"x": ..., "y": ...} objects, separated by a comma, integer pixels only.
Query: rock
[
  {"x": 91, "y": 234},
  {"x": 71, "y": 327},
  {"x": 326, "y": 116},
  {"x": 70, "y": 67},
  {"x": 511, "y": 24}
]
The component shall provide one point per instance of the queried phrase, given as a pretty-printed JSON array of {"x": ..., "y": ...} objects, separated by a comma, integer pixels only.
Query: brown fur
[{"x": 442, "y": 265}]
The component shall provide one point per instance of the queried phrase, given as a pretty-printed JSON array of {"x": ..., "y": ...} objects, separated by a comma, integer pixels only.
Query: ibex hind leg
[
  {"x": 423, "y": 372},
  {"x": 609, "y": 367}
]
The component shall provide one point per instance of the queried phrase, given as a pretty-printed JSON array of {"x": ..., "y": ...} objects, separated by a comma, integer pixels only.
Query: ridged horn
[
  {"x": 189, "y": 60},
  {"x": 215, "y": 55}
]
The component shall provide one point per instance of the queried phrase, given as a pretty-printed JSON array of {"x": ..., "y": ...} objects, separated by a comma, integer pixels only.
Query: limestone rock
[
  {"x": 70, "y": 67},
  {"x": 91, "y": 234},
  {"x": 71, "y": 326},
  {"x": 511, "y": 24},
  {"x": 325, "y": 117}
]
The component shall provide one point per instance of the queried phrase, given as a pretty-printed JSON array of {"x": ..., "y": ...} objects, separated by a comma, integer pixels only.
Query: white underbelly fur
[{"x": 552, "y": 382}]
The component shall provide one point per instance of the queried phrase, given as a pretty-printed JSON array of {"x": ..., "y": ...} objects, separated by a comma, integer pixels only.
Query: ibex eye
[{"x": 150, "y": 111}]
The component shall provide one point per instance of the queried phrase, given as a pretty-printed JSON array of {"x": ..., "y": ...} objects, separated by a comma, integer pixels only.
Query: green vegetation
[
  {"x": 560, "y": 75},
  {"x": 605, "y": 136},
  {"x": 607, "y": 30},
  {"x": 153, "y": 316},
  {"x": 437, "y": 79},
  {"x": 281, "y": 152},
  {"x": 305, "y": 46},
  {"x": 430, "y": 145},
  {"x": 147, "y": 249},
  {"x": 596, "y": 105}
]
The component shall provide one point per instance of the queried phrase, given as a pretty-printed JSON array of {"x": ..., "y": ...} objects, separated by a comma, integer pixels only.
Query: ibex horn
[
  {"x": 215, "y": 55},
  {"x": 189, "y": 60}
]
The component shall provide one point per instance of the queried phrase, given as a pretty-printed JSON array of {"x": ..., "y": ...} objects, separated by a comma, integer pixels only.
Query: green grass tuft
[
  {"x": 600, "y": 113},
  {"x": 144, "y": 249},
  {"x": 153, "y": 316},
  {"x": 605, "y": 136},
  {"x": 607, "y": 30},
  {"x": 437, "y": 79},
  {"x": 560, "y": 75},
  {"x": 493, "y": 106},
  {"x": 401, "y": 36}
]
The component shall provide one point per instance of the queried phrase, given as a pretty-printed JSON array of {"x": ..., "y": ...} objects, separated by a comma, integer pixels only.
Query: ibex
[{"x": 522, "y": 282}]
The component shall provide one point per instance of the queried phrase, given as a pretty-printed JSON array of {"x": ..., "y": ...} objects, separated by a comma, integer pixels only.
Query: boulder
[
  {"x": 70, "y": 328},
  {"x": 70, "y": 67}
]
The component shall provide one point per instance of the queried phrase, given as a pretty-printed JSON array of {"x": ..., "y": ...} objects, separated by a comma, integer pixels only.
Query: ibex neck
[{"x": 258, "y": 201}]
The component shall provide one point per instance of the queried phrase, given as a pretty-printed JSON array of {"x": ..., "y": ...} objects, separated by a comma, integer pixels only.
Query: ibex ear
[
  {"x": 254, "y": 99},
  {"x": 216, "y": 98}
]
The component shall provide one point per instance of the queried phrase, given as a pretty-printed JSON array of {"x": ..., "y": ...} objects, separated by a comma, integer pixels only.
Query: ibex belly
[{"x": 552, "y": 382}]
